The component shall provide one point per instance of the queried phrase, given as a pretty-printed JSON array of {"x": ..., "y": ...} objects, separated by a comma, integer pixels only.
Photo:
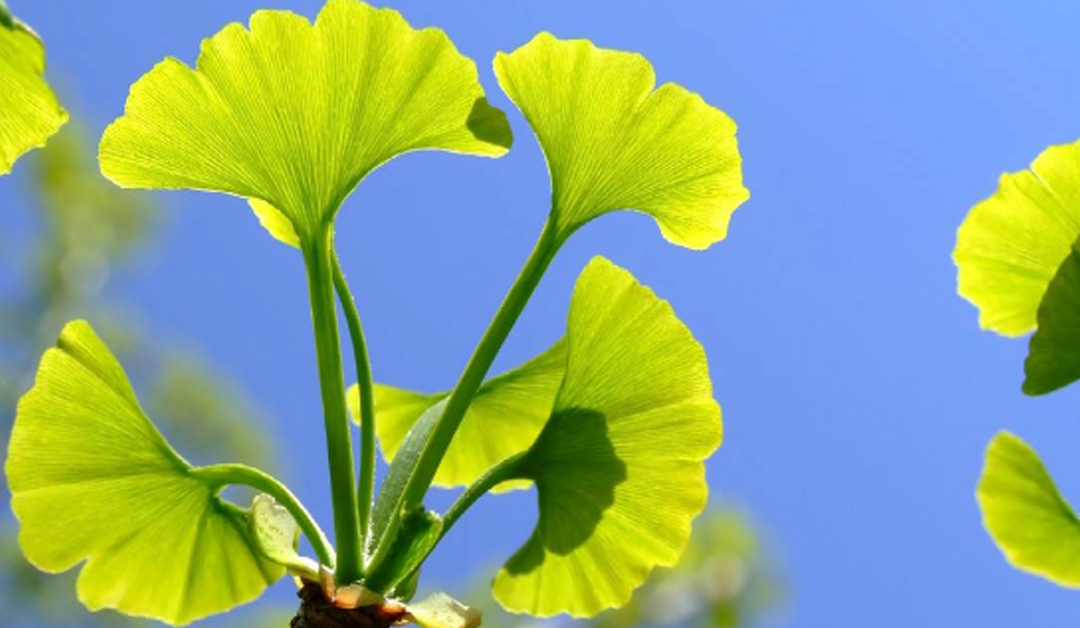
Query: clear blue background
[{"x": 857, "y": 389}]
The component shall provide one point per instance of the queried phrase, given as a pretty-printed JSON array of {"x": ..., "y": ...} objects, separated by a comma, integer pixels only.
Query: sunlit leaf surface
[
  {"x": 613, "y": 142},
  {"x": 92, "y": 480},
  {"x": 503, "y": 419},
  {"x": 29, "y": 111},
  {"x": 1012, "y": 244},
  {"x": 619, "y": 466},
  {"x": 1024, "y": 513},
  {"x": 295, "y": 114}
]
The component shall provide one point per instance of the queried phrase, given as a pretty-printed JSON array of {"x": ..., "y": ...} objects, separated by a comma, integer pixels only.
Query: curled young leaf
[
  {"x": 275, "y": 534},
  {"x": 439, "y": 610},
  {"x": 1029, "y": 520},
  {"x": 613, "y": 142},
  {"x": 29, "y": 111},
  {"x": 1012, "y": 244},
  {"x": 295, "y": 114},
  {"x": 92, "y": 480},
  {"x": 619, "y": 465},
  {"x": 504, "y": 418}
]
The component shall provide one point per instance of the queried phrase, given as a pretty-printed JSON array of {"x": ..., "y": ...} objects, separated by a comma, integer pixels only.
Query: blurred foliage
[
  {"x": 725, "y": 579},
  {"x": 83, "y": 230}
]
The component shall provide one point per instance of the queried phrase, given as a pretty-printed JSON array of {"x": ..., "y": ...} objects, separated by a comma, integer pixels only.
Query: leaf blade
[
  {"x": 295, "y": 114},
  {"x": 619, "y": 466},
  {"x": 1025, "y": 515},
  {"x": 663, "y": 152},
  {"x": 92, "y": 480}
]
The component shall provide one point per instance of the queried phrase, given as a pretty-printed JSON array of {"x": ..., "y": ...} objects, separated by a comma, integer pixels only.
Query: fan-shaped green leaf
[
  {"x": 613, "y": 142},
  {"x": 1024, "y": 513},
  {"x": 1012, "y": 244},
  {"x": 503, "y": 419},
  {"x": 619, "y": 466},
  {"x": 29, "y": 111},
  {"x": 296, "y": 115},
  {"x": 92, "y": 480},
  {"x": 1054, "y": 354}
]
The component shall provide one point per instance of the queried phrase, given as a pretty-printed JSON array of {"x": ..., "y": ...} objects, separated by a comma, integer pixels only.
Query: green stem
[
  {"x": 222, "y": 475},
  {"x": 511, "y": 308},
  {"x": 317, "y": 258},
  {"x": 366, "y": 489},
  {"x": 509, "y": 469}
]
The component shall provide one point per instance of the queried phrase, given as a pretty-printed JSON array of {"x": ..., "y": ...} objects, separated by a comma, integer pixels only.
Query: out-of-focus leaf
[{"x": 1029, "y": 520}]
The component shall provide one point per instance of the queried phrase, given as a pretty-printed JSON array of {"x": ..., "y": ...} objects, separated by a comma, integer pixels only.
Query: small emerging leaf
[
  {"x": 1054, "y": 353},
  {"x": 29, "y": 111},
  {"x": 295, "y": 115},
  {"x": 275, "y": 534},
  {"x": 439, "y": 610},
  {"x": 1012, "y": 244},
  {"x": 1024, "y": 513},
  {"x": 93, "y": 481},
  {"x": 613, "y": 142},
  {"x": 619, "y": 466},
  {"x": 503, "y": 419}
]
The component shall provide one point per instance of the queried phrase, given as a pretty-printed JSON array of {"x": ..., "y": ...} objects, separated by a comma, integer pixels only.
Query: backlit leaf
[
  {"x": 613, "y": 142},
  {"x": 504, "y": 418},
  {"x": 295, "y": 114},
  {"x": 1012, "y": 244},
  {"x": 1024, "y": 513},
  {"x": 275, "y": 535},
  {"x": 93, "y": 481},
  {"x": 619, "y": 466},
  {"x": 29, "y": 111}
]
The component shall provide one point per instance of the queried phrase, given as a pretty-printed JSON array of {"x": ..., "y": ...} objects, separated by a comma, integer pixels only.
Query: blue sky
[{"x": 858, "y": 391}]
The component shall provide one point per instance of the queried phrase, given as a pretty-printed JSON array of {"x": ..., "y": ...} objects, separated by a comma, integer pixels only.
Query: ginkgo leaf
[
  {"x": 29, "y": 111},
  {"x": 504, "y": 418},
  {"x": 439, "y": 610},
  {"x": 1030, "y": 522},
  {"x": 92, "y": 480},
  {"x": 295, "y": 114},
  {"x": 619, "y": 467},
  {"x": 275, "y": 535},
  {"x": 613, "y": 142},
  {"x": 1012, "y": 244},
  {"x": 1054, "y": 353}
]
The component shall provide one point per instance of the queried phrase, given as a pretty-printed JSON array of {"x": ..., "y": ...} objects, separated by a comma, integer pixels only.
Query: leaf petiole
[
  {"x": 239, "y": 474},
  {"x": 509, "y": 469},
  {"x": 318, "y": 255},
  {"x": 366, "y": 489},
  {"x": 410, "y": 493}
]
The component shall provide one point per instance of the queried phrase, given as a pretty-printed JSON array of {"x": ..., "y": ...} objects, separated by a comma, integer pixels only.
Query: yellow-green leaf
[
  {"x": 295, "y": 114},
  {"x": 1012, "y": 244},
  {"x": 619, "y": 466},
  {"x": 1029, "y": 520},
  {"x": 29, "y": 111},
  {"x": 93, "y": 481},
  {"x": 504, "y": 418},
  {"x": 613, "y": 142}
]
